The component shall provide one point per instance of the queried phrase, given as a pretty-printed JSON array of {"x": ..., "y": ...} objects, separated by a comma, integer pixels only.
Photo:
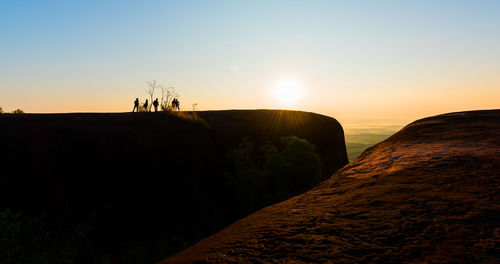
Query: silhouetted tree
[
  {"x": 18, "y": 111},
  {"x": 152, "y": 86},
  {"x": 269, "y": 174},
  {"x": 21, "y": 238},
  {"x": 194, "y": 106},
  {"x": 246, "y": 175},
  {"x": 1, "y": 110},
  {"x": 301, "y": 165},
  {"x": 167, "y": 95}
]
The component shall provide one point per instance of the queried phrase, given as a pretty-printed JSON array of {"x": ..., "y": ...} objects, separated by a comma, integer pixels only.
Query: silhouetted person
[
  {"x": 175, "y": 104},
  {"x": 136, "y": 105},
  {"x": 146, "y": 105},
  {"x": 155, "y": 104}
]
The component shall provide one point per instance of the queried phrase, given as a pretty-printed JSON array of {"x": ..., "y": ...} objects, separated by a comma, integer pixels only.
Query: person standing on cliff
[
  {"x": 155, "y": 104},
  {"x": 175, "y": 104},
  {"x": 146, "y": 105},
  {"x": 136, "y": 105}
]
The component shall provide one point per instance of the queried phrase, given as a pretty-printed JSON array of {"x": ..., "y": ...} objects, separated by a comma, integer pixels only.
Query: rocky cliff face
[
  {"x": 137, "y": 187},
  {"x": 430, "y": 194}
]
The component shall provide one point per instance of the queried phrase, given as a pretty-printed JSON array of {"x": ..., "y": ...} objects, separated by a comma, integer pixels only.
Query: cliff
[{"x": 136, "y": 187}]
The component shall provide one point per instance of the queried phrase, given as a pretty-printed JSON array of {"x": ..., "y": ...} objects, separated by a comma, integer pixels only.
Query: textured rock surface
[{"x": 430, "y": 193}]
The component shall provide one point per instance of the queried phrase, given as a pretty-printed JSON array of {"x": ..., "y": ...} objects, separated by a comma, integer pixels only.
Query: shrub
[
  {"x": 189, "y": 116},
  {"x": 142, "y": 108},
  {"x": 269, "y": 174},
  {"x": 301, "y": 163},
  {"x": 20, "y": 238},
  {"x": 18, "y": 111},
  {"x": 26, "y": 239}
]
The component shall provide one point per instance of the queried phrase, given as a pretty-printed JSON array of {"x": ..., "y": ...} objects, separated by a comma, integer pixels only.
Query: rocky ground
[{"x": 428, "y": 194}]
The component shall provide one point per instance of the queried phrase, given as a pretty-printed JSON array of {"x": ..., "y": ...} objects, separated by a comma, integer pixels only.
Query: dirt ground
[{"x": 428, "y": 194}]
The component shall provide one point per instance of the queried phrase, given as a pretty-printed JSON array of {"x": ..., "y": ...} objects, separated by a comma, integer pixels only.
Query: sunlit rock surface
[{"x": 428, "y": 194}]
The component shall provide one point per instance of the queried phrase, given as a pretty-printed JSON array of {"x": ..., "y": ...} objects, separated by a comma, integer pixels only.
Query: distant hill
[
  {"x": 134, "y": 187},
  {"x": 428, "y": 194}
]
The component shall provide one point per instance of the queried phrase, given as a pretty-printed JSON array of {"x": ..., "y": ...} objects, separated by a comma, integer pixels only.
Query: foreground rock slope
[{"x": 428, "y": 194}]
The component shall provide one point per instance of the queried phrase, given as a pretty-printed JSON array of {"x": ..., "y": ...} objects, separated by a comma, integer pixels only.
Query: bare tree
[
  {"x": 152, "y": 86},
  {"x": 163, "y": 93},
  {"x": 167, "y": 95},
  {"x": 194, "y": 106}
]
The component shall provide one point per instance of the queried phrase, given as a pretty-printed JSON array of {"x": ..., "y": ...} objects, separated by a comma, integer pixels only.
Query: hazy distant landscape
[{"x": 361, "y": 134}]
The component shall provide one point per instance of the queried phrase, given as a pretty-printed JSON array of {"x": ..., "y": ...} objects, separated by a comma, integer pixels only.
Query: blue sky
[{"x": 353, "y": 59}]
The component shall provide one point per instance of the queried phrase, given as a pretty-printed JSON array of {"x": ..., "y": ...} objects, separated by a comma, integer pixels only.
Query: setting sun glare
[{"x": 287, "y": 92}]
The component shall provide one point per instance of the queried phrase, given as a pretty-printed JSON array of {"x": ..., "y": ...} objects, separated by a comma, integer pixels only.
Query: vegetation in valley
[
  {"x": 357, "y": 143},
  {"x": 260, "y": 176}
]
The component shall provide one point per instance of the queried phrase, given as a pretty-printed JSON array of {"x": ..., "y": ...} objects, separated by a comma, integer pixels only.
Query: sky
[{"x": 391, "y": 60}]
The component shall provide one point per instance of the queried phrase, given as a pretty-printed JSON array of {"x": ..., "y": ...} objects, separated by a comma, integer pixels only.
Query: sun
[{"x": 287, "y": 91}]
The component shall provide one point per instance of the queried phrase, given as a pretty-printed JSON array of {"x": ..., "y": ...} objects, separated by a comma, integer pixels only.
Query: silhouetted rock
[
  {"x": 269, "y": 125},
  {"x": 138, "y": 187},
  {"x": 428, "y": 194}
]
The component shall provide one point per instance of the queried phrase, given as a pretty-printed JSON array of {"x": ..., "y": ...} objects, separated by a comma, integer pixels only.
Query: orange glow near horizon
[
  {"x": 338, "y": 103},
  {"x": 344, "y": 60}
]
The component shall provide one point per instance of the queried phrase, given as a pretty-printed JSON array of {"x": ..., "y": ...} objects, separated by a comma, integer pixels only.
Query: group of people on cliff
[{"x": 175, "y": 105}]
